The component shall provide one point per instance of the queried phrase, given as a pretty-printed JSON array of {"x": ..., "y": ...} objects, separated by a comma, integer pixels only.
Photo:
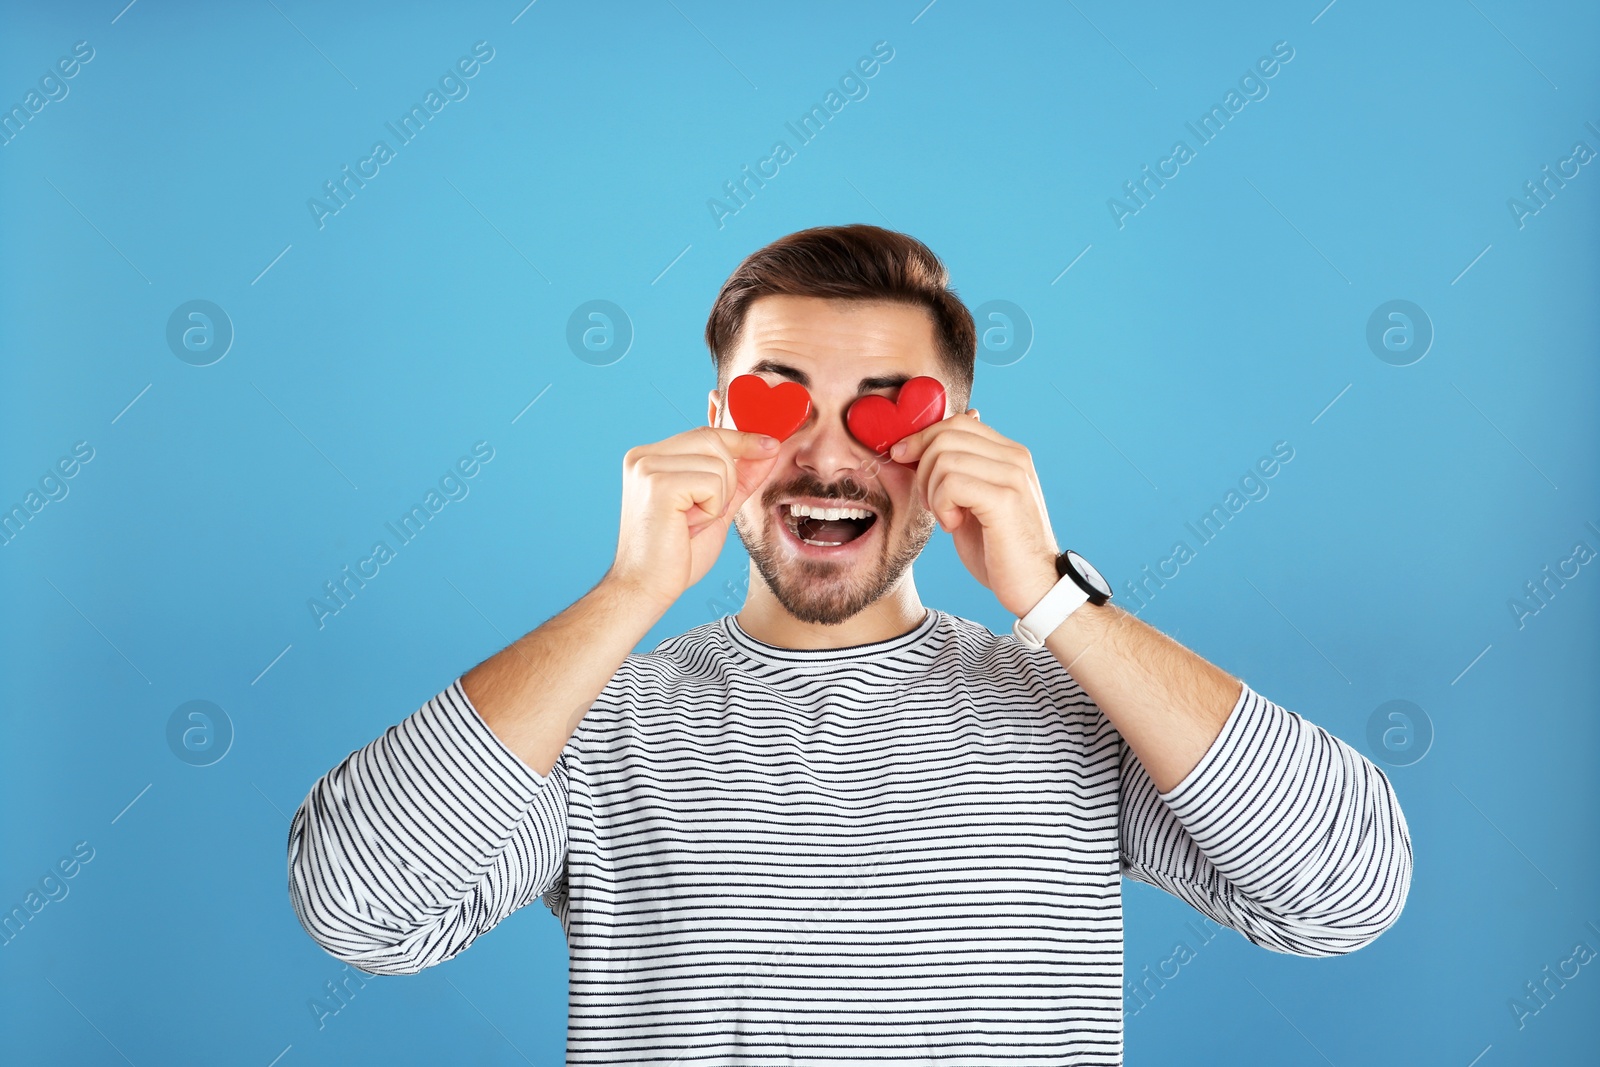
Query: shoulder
[
  {"x": 1000, "y": 659},
  {"x": 696, "y": 654},
  {"x": 680, "y": 676}
]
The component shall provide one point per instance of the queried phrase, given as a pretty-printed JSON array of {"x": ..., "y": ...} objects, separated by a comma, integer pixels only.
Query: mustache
[{"x": 843, "y": 490}]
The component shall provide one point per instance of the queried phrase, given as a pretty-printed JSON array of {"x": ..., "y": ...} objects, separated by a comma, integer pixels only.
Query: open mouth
[{"x": 827, "y": 526}]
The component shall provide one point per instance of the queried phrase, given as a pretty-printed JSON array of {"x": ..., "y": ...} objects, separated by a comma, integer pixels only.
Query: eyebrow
[{"x": 795, "y": 374}]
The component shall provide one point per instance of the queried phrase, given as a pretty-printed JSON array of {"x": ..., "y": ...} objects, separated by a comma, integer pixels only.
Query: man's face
[{"x": 821, "y": 569}]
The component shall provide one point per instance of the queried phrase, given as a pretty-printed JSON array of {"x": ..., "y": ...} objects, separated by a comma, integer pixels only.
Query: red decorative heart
[
  {"x": 756, "y": 407},
  {"x": 878, "y": 422}
]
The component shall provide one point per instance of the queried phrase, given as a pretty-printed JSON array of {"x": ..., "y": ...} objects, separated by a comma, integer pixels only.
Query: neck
[{"x": 897, "y": 612}]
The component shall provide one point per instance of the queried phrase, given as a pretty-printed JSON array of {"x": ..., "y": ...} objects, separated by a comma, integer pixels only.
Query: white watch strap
[{"x": 1065, "y": 597}]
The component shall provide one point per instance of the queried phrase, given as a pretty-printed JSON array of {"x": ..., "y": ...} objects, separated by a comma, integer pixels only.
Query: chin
[{"x": 826, "y": 568}]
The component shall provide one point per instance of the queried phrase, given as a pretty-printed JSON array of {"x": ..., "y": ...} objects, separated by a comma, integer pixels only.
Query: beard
[{"x": 822, "y": 591}]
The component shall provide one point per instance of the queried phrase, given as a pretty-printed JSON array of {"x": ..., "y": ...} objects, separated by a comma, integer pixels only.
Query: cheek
[
  {"x": 752, "y": 512},
  {"x": 899, "y": 481}
]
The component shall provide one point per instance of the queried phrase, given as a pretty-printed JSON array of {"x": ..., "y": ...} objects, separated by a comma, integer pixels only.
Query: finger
[
  {"x": 967, "y": 439},
  {"x": 753, "y": 445},
  {"x": 910, "y": 449},
  {"x": 752, "y": 457},
  {"x": 750, "y": 476},
  {"x": 976, "y": 483},
  {"x": 698, "y": 495},
  {"x": 657, "y": 465},
  {"x": 673, "y": 462},
  {"x": 733, "y": 448},
  {"x": 967, "y": 435},
  {"x": 959, "y": 493},
  {"x": 738, "y": 444},
  {"x": 731, "y": 445},
  {"x": 738, "y": 480}
]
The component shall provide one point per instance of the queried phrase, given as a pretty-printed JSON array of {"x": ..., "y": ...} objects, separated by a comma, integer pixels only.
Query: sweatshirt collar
[{"x": 912, "y": 649}]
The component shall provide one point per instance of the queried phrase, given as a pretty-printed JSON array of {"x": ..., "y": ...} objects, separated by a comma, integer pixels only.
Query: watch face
[{"x": 1086, "y": 571}]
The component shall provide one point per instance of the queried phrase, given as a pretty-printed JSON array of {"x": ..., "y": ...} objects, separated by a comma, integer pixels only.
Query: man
[{"x": 841, "y": 826}]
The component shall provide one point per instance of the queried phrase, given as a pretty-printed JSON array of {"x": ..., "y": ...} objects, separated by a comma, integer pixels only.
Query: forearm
[
  {"x": 1168, "y": 703},
  {"x": 535, "y": 691}
]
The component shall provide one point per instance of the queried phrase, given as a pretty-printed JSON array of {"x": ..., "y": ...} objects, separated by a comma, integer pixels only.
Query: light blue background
[{"x": 1227, "y": 315}]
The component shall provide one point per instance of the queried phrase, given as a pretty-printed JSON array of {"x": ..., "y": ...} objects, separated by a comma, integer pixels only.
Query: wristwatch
[{"x": 1079, "y": 583}]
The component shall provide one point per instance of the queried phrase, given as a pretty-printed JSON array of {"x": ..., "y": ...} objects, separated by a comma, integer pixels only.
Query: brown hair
[{"x": 857, "y": 262}]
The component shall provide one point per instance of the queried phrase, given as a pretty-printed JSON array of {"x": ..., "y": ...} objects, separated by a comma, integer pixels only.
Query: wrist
[
  {"x": 633, "y": 599},
  {"x": 1078, "y": 586},
  {"x": 1034, "y": 590},
  {"x": 1082, "y": 630}
]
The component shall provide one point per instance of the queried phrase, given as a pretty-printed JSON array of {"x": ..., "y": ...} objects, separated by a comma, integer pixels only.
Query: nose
[{"x": 827, "y": 450}]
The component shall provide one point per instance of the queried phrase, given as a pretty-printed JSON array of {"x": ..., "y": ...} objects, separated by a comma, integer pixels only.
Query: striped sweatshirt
[{"x": 908, "y": 851}]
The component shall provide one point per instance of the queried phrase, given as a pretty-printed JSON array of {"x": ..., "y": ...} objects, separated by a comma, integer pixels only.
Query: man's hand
[
  {"x": 678, "y": 498},
  {"x": 984, "y": 491}
]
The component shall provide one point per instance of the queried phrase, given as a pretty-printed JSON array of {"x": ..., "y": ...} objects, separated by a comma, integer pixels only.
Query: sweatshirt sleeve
[
  {"x": 1281, "y": 831},
  {"x": 428, "y": 836}
]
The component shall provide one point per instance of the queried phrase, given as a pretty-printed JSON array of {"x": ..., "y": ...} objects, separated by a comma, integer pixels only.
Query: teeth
[{"x": 802, "y": 511}]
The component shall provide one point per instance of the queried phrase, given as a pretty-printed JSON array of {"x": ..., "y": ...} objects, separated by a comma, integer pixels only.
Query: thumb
[{"x": 752, "y": 474}]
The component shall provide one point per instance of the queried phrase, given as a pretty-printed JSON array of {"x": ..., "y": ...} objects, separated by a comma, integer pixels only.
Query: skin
[{"x": 681, "y": 495}]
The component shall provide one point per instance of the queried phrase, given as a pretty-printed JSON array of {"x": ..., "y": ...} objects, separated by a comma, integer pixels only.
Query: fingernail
[
  {"x": 768, "y": 443},
  {"x": 898, "y": 450}
]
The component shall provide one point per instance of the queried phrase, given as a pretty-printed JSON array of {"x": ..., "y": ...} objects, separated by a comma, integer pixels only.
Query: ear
[{"x": 711, "y": 407}]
